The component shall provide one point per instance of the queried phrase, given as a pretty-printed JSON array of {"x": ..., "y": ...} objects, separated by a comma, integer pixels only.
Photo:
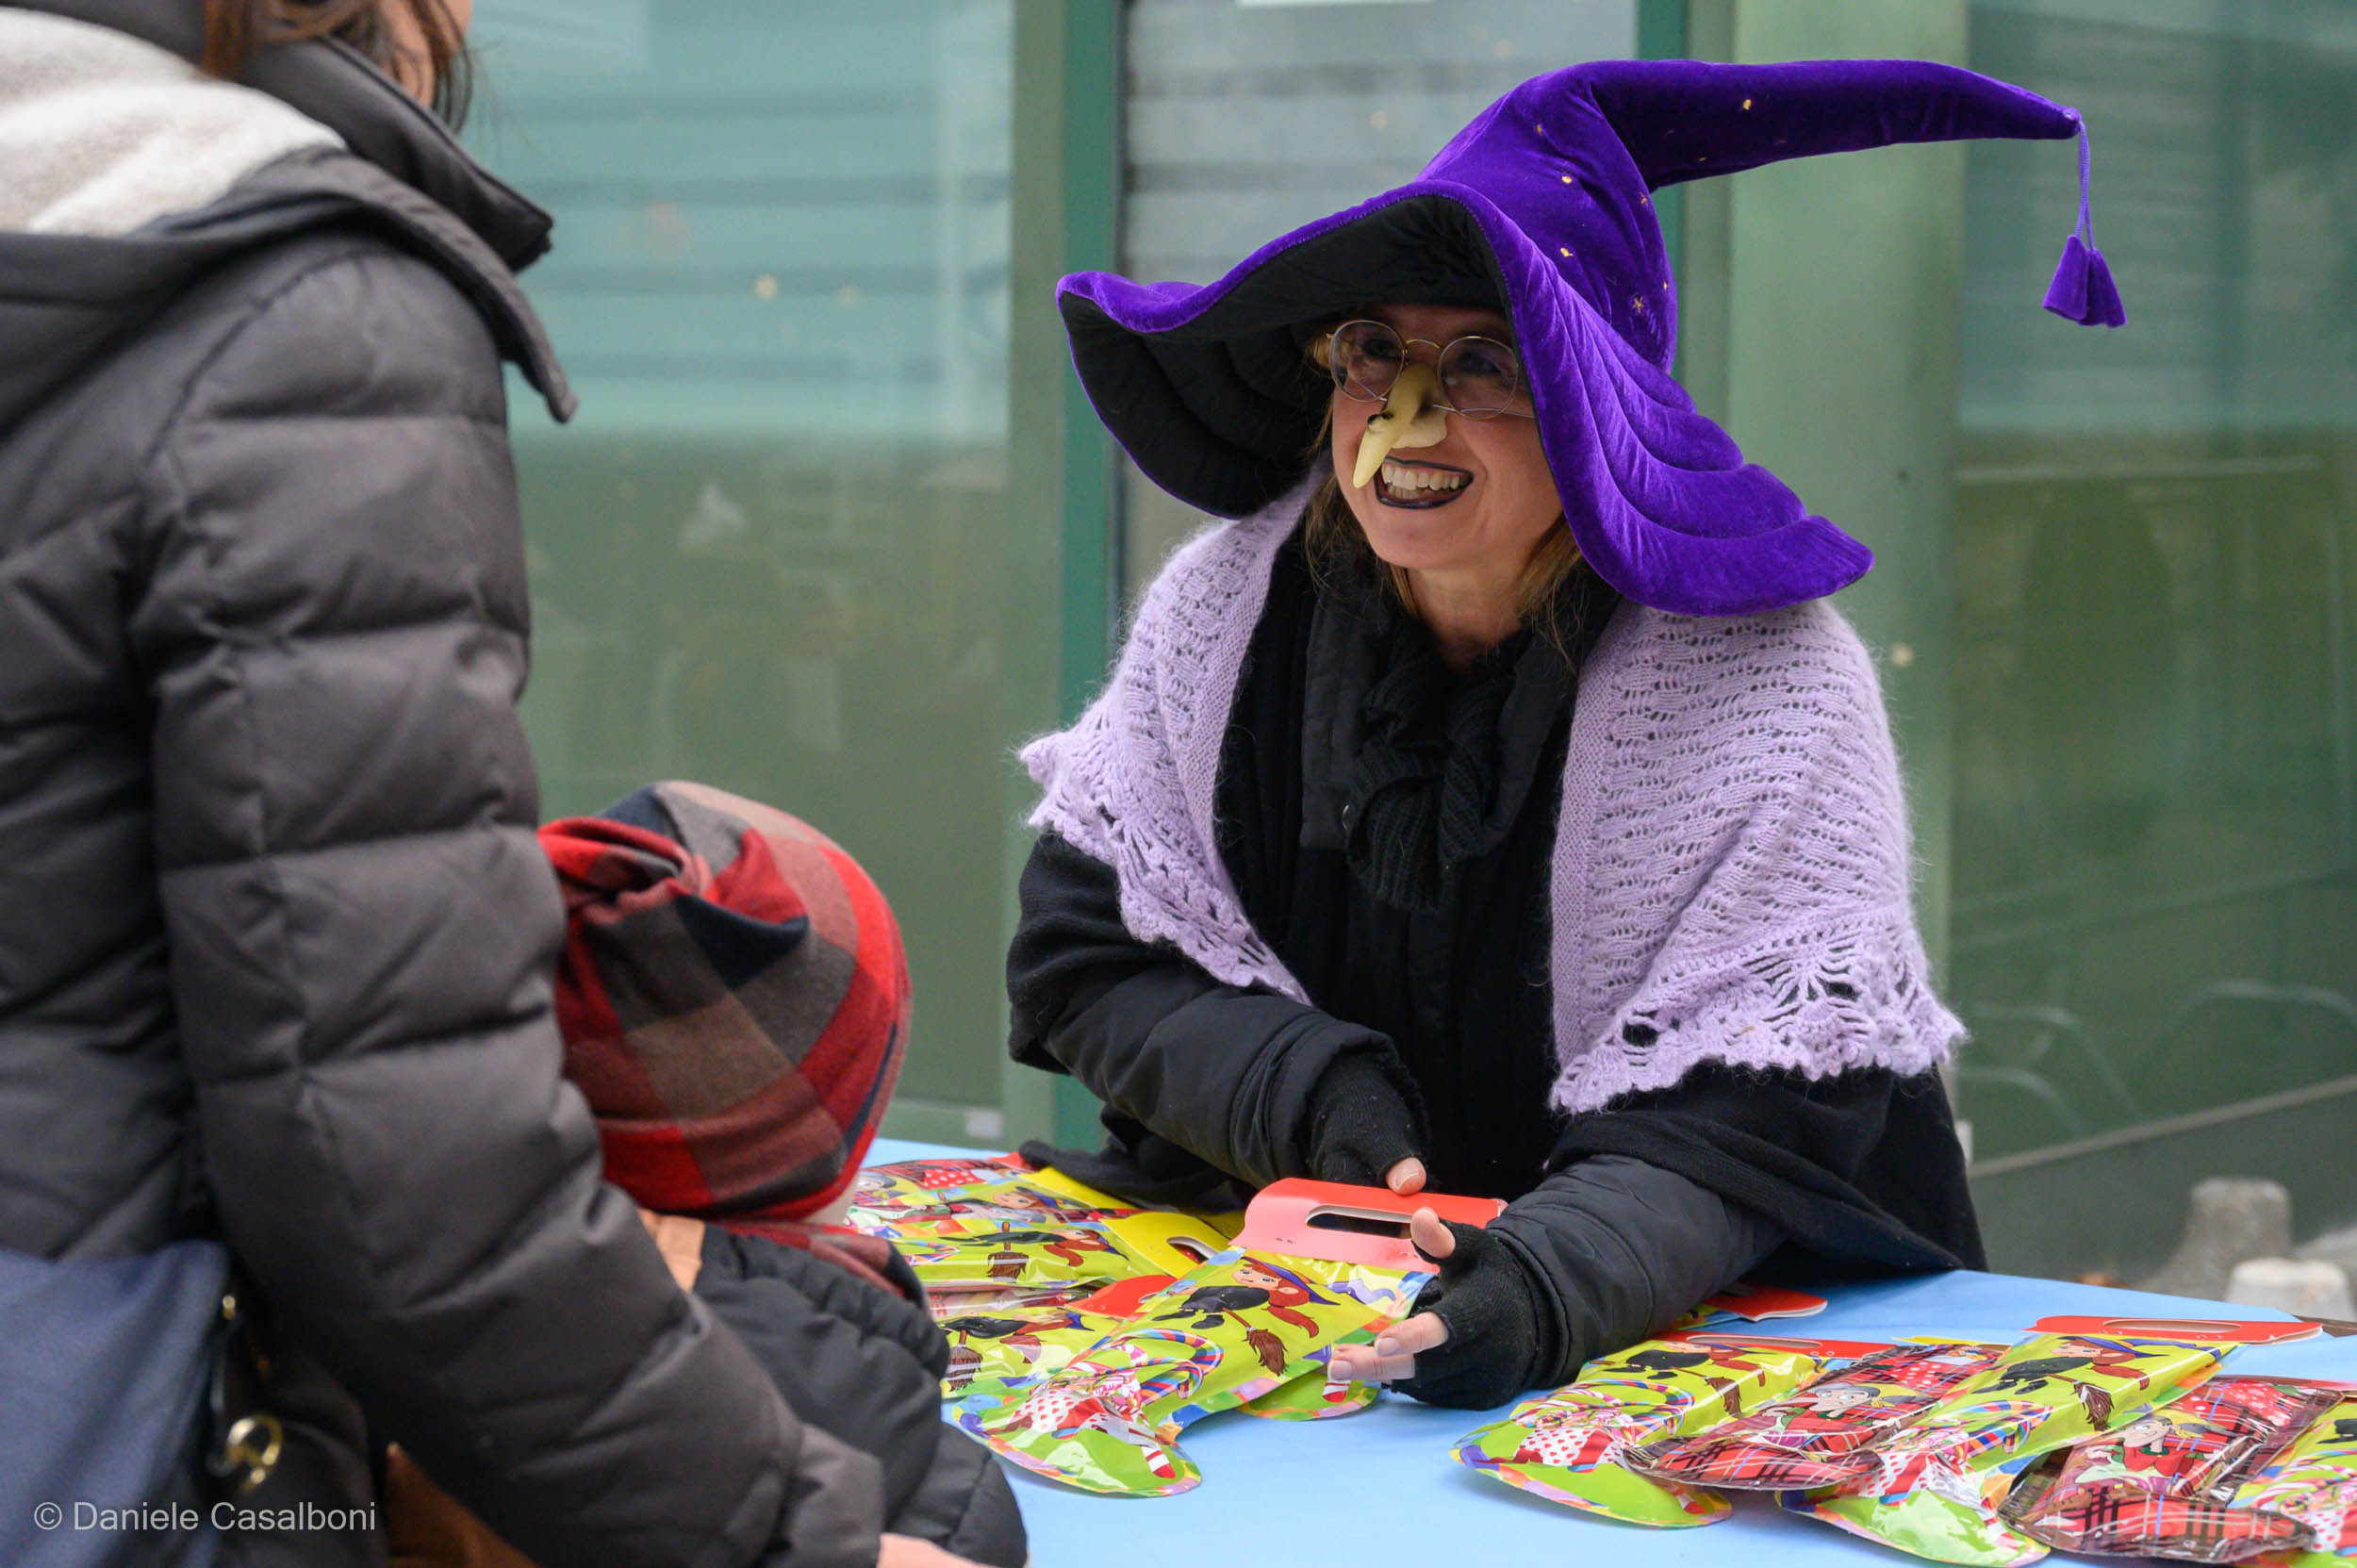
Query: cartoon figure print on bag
[
  {"x": 1069, "y": 1246},
  {"x": 1019, "y": 1334},
  {"x": 1260, "y": 1286}
]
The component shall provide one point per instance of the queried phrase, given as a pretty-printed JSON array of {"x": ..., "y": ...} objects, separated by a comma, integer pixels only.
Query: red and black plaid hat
[{"x": 734, "y": 999}]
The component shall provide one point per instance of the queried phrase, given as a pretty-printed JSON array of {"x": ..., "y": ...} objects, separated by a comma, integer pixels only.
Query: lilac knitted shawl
[{"x": 1731, "y": 862}]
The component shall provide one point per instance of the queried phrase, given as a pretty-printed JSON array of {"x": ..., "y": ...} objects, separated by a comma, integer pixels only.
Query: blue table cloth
[{"x": 1379, "y": 1489}]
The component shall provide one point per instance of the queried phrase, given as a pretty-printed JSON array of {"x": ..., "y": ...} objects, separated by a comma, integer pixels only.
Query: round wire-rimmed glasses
[{"x": 1480, "y": 376}]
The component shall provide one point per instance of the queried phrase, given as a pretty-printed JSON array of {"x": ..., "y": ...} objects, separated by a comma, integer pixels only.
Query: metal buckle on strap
[{"x": 249, "y": 1451}]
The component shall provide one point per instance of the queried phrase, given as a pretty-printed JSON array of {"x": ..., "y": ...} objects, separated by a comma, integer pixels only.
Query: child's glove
[{"x": 1501, "y": 1336}]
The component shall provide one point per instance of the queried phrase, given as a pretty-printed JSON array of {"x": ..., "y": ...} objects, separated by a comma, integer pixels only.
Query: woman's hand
[
  {"x": 1484, "y": 1338},
  {"x": 1363, "y": 1127},
  {"x": 1392, "y": 1355}
]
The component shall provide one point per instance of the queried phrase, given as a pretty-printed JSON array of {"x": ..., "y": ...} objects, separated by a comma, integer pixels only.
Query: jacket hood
[
  {"x": 66, "y": 299},
  {"x": 104, "y": 133},
  {"x": 332, "y": 83}
]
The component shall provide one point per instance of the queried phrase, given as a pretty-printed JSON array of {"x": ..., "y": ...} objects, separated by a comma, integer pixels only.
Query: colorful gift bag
[
  {"x": 993, "y": 1233},
  {"x": 1567, "y": 1445},
  {"x": 914, "y": 1183},
  {"x": 1789, "y": 1441},
  {"x": 2313, "y": 1480},
  {"x": 2047, "y": 1392},
  {"x": 912, "y": 1191},
  {"x": 1932, "y": 1484},
  {"x": 1238, "y": 1327},
  {"x": 1083, "y": 1253},
  {"x": 1923, "y": 1524},
  {"x": 918, "y": 1197},
  {"x": 1026, "y": 1269},
  {"x": 1250, "y": 1321},
  {"x": 1020, "y": 1256},
  {"x": 1008, "y": 1345},
  {"x": 2161, "y": 1486}
]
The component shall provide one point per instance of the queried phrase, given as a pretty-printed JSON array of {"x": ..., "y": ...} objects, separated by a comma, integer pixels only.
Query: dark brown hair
[{"x": 236, "y": 30}]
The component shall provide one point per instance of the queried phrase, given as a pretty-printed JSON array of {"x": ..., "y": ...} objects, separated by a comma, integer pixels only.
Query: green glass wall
[
  {"x": 2154, "y": 927},
  {"x": 2114, "y": 572},
  {"x": 774, "y": 552}
]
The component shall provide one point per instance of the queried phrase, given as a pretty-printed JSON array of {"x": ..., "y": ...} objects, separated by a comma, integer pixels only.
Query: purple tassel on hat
[{"x": 2082, "y": 290}]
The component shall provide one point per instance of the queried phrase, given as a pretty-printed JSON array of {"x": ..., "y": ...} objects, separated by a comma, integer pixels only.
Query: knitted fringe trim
[
  {"x": 1164, "y": 896},
  {"x": 1819, "y": 1002}
]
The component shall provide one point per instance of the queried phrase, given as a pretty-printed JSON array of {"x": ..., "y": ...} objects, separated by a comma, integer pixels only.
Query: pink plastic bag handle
[{"x": 1279, "y": 1220}]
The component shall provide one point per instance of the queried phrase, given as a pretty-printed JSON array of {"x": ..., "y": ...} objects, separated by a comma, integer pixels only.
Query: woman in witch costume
[{"x": 1496, "y": 802}]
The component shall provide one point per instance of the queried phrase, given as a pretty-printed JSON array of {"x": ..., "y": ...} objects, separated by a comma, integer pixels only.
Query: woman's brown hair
[{"x": 235, "y": 29}]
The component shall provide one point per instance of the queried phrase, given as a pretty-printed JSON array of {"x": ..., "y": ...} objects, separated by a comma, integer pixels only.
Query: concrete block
[
  {"x": 2231, "y": 1219},
  {"x": 2303, "y": 1287},
  {"x": 2338, "y": 1248}
]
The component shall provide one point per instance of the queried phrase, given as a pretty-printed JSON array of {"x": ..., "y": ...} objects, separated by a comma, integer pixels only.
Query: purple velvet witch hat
[{"x": 1542, "y": 206}]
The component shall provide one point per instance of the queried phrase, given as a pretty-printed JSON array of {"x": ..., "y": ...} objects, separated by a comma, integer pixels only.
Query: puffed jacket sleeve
[
  {"x": 330, "y": 625},
  {"x": 1235, "y": 1076}
]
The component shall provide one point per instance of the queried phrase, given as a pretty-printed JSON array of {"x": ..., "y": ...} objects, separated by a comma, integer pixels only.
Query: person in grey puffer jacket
[{"x": 275, "y": 962}]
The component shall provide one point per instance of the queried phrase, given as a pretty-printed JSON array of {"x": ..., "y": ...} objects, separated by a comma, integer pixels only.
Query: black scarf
[{"x": 1409, "y": 769}]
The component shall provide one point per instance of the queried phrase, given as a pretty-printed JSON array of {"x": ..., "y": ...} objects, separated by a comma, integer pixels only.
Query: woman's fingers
[
  {"x": 1359, "y": 1363},
  {"x": 1406, "y": 1177},
  {"x": 1392, "y": 1355},
  {"x": 1422, "y": 1332},
  {"x": 1432, "y": 1238}
]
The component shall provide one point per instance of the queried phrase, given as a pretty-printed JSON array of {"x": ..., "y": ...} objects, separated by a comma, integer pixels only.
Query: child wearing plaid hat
[{"x": 735, "y": 1002}]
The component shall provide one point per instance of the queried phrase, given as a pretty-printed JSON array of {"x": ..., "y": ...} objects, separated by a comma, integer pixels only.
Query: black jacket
[
  {"x": 866, "y": 1367},
  {"x": 277, "y": 955},
  {"x": 1390, "y": 832}
]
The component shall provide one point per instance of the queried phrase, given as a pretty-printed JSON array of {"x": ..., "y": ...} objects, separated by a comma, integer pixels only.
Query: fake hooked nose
[{"x": 1410, "y": 418}]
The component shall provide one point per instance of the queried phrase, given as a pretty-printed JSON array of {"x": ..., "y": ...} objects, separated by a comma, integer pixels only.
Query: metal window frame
[{"x": 1063, "y": 496}]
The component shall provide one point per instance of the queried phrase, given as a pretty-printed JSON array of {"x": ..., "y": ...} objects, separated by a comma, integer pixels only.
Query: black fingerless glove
[
  {"x": 1501, "y": 1334},
  {"x": 1362, "y": 1121}
]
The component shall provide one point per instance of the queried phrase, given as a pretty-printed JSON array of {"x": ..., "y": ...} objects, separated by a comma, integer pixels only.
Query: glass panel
[
  {"x": 2155, "y": 914},
  {"x": 771, "y": 554},
  {"x": 1245, "y": 121}
]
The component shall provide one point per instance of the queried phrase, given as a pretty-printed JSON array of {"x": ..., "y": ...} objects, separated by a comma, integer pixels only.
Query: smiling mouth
[{"x": 1419, "y": 485}]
